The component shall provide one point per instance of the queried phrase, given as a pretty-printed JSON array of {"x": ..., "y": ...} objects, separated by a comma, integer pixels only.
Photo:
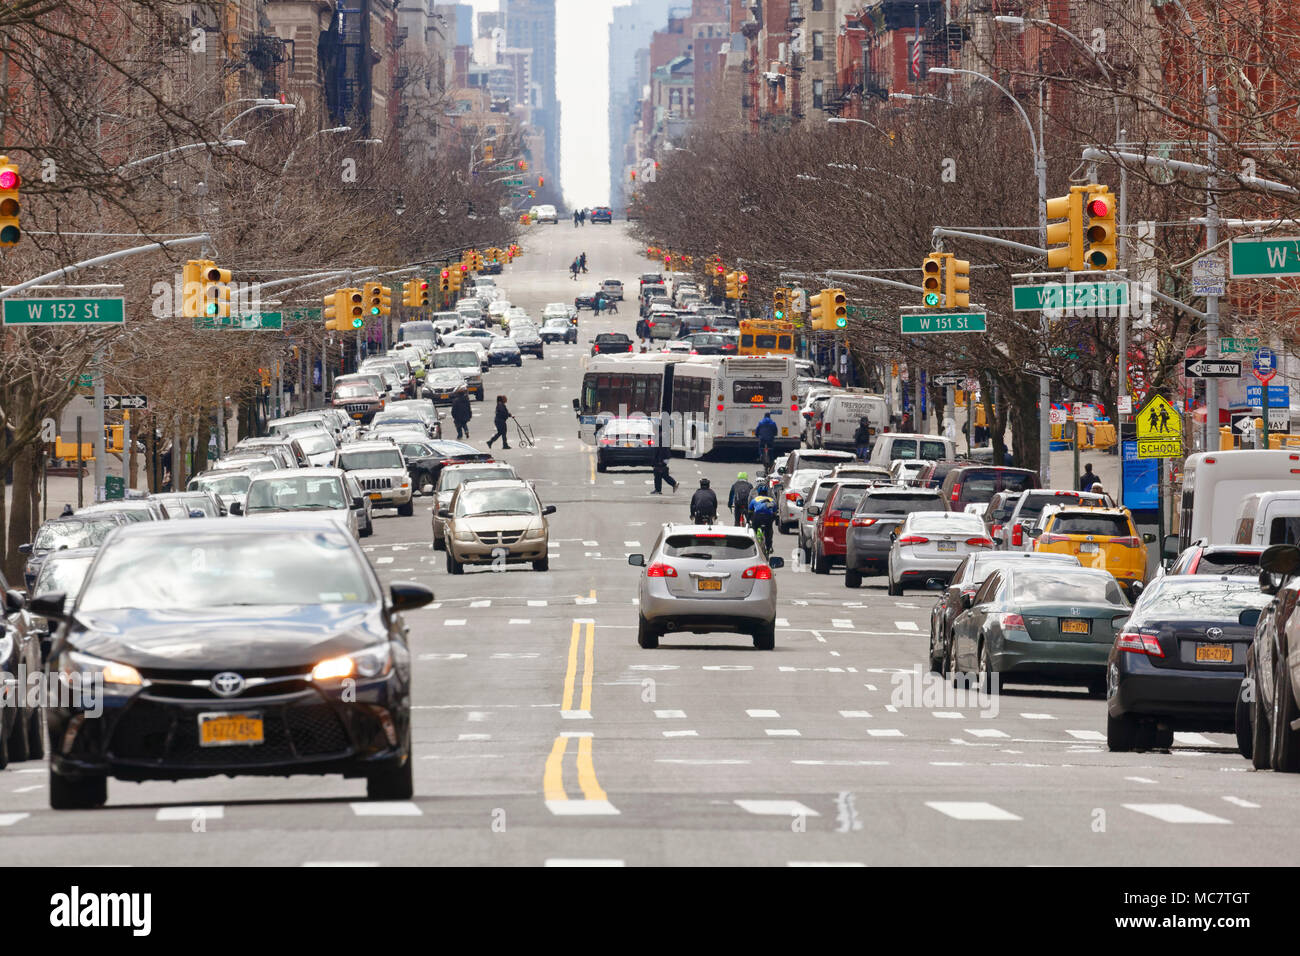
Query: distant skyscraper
[
  {"x": 464, "y": 24},
  {"x": 530, "y": 25},
  {"x": 629, "y": 31}
]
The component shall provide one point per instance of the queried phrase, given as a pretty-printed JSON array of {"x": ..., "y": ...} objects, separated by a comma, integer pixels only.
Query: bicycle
[
  {"x": 765, "y": 457},
  {"x": 697, "y": 518},
  {"x": 764, "y": 546}
]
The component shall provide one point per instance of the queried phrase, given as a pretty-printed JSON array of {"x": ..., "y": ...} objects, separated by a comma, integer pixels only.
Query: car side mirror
[
  {"x": 776, "y": 561},
  {"x": 636, "y": 560},
  {"x": 967, "y": 601},
  {"x": 1249, "y": 617},
  {"x": 358, "y": 502},
  {"x": 49, "y": 606},
  {"x": 407, "y": 596},
  {"x": 781, "y": 470},
  {"x": 236, "y": 508},
  {"x": 1169, "y": 547},
  {"x": 444, "y": 513},
  {"x": 24, "y": 549},
  {"x": 1283, "y": 559},
  {"x": 814, "y": 510},
  {"x": 893, "y": 536},
  {"x": 1135, "y": 589},
  {"x": 548, "y": 510},
  {"x": 1268, "y": 583},
  {"x": 1034, "y": 532},
  {"x": 15, "y": 600},
  {"x": 575, "y": 405},
  {"x": 935, "y": 584},
  {"x": 1148, "y": 538}
]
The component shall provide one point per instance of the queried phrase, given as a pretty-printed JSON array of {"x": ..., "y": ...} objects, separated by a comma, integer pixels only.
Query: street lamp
[
  {"x": 228, "y": 143},
  {"x": 272, "y": 105},
  {"x": 319, "y": 132},
  {"x": 841, "y": 120},
  {"x": 907, "y": 97},
  {"x": 1040, "y": 167}
]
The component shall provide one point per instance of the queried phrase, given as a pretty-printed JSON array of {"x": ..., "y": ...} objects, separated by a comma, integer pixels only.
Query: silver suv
[
  {"x": 380, "y": 470},
  {"x": 703, "y": 578}
]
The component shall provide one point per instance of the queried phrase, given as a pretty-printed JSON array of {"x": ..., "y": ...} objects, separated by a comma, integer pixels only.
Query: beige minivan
[{"x": 491, "y": 522}]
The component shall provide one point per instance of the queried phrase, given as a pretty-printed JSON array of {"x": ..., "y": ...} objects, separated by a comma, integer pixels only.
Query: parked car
[
  {"x": 75, "y": 531},
  {"x": 703, "y": 579},
  {"x": 21, "y": 655}
]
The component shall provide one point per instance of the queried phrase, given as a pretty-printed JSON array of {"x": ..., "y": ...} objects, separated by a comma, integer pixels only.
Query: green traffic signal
[
  {"x": 932, "y": 298},
  {"x": 210, "y": 308},
  {"x": 778, "y": 314},
  {"x": 841, "y": 322},
  {"x": 358, "y": 323}
]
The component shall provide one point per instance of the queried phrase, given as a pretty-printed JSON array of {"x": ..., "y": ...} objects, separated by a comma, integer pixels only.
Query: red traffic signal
[
  {"x": 1098, "y": 206},
  {"x": 718, "y": 268},
  {"x": 9, "y": 179},
  {"x": 423, "y": 286},
  {"x": 446, "y": 273},
  {"x": 744, "y": 277},
  {"x": 464, "y": 267}
]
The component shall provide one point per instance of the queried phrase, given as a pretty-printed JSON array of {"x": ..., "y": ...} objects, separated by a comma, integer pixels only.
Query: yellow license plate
[
  {"x": 708, "y": 584},
  {"x": 1214, "y": 653},
  {"x": 225, "y": 730},
  {"x": 1074, "y": 627},
  {"x": 375, "y": 496}
]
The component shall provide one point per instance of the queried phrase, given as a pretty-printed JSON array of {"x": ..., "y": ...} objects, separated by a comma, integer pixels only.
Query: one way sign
[
  {"x": 1211, "y": 368},
  {"x": 112, "y": 402}
]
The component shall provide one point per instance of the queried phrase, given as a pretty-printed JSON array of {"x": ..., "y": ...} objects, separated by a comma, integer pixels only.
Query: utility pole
[
  {"x": 1212, "y": 301},
  {"x": 99, "y": 425}
]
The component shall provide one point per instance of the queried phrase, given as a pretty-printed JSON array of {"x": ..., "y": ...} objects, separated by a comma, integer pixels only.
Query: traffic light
[
  {"x": 956, "y": 283},
  {"x": 356, "y": 308},
  {"x": 541, "y": 181},
  {"x": 1100, "y": 212},
  {"x": 733, "y": 285},
  {"x": 489, "y": 151},
  {"x": 1069, "y": 231},
  {"x": 336, "y": 310},
  {"x": 838, "y": 307},
  {"x": 819, "y": 307},
  {"x": 444, "y": 280},
  {"x": 743, "y": 282},
  {"x": 385, "y": 300},
  {"x": 216, "y": 290},
  {"x": 932, "y": 281},
  {"x": 523, "y": 166},
  {"x": 10, "y": 206},
  {"x": 780, "y": 303},
  {"x": 374, "y": 299},
  {"x": 422, "y": 293},
  {"x": 408, "y": 292},
  {"x": 192, "y": 288}
]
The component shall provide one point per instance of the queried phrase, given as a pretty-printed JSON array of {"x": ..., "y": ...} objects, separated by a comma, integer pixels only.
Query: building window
[
  {"x": 818, "y": 89},
  {"x": 818, "y": 4},
  {"x": 819, "y": 45}
]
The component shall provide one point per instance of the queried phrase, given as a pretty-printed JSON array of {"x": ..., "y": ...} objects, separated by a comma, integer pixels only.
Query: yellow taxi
[{"x": 1102, "y": 538}]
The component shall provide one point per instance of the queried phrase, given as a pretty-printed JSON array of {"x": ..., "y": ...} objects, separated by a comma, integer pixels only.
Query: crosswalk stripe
[
  {"x": 985, "y": 732},
  {"x": 1192, "y": 739},
  {"x": 386, "y": 808},
  {"x": 214, "y": 812},
  {"x": 970, "y": 810},
  {"x": 670, "y": 714},
  {"x": 1174, "y": 813},
  {"x": 1086, "y": 734},
  {"x": 777, "y": 808},
  {"x": 884, "y": 733},
  {"x": 762, "y": 713},
  {"x": 1245, "y": 804},
  {"x": 9, "y": 819},
  {"x": 906, "y": 625}
]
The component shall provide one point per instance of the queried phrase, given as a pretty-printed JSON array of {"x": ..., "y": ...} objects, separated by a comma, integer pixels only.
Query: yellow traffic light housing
[
  {"x": 373, "y": 298},
  {"x": 216, "y": 290},
  {"x": 408, "y": 293},
  {"x": 444, "y": 281},
  {"x": 932, "y": 281},
  {"x": 385, "y": 300},
  {"x": 819, "y": 309},
  {"x": 421, "y": 293},
  {"x": 336, "y": 311},
  {"x": 742, "y": 280},
  {"x": 780, "y": 303},
  {"x": 1069, "y": 231},
  {"x": 837, "y": 308},
  {"x": 10, "y": 203},
  {"x": 1101, "y": 235},
  {"x": 956, "y": 284},
  {"x": 192, "y": 288},
  {"x": 356, "y": 308},
  {"x": 733, "y": 285}
]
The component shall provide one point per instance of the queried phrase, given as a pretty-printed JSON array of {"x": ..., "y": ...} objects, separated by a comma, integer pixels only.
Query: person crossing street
[
  {"x": 461, "y": 412},
  {"x": 502, "y": 418}
]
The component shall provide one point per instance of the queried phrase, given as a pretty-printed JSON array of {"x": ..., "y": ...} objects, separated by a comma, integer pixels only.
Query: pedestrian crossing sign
[{"x": 1159, "y": 430}]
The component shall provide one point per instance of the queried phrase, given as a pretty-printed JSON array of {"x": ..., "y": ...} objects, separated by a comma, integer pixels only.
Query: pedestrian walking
[
  {"x": 502, "y": 418},
  {"x": 613, "y": 306},
  {"x": 643, "y": 332},
  {"x": 575, "y": 219},
  {"x": 598, "y": 303},
  {"x": 582, "y": 261},
  {"x": 661, "y": 471},
  {"x": 582, "y": 218},
  {"x": 573, "y": 270},
  {"x": 862, "y": 438},
  {"x": 461, "y": 413}
]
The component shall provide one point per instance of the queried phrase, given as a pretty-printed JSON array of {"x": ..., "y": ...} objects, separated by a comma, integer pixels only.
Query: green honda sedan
[{"x": 1039, "y": 626}]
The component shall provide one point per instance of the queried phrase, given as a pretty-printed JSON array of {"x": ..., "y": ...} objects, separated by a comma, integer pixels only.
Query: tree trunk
[
  {"x": 1021, "y": 398},
  {"x": 20, "y": 516}
]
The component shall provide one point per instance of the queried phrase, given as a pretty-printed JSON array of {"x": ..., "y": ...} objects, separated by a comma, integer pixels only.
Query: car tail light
[
  {"x": 1011, "y": 622},
  {"x": 956, "y": 492},
  {"x": 1128, "y": 542},
  {"x": 661, "y": 571},
  {"x": 1017, "y": 534},
  {"x": 792, "y": 496},
  {"x": 651, "y": 324},
  {"x": 759, "y": 572},
  {"x": 650, "y": 442},
  {"x": 979, "y": 542},
  {"x": 913, "y": 539},
  {"x": 836, "y": 523},
  {"x": 694, "y": 352},
  {"x": 607, "y": 441},
  {"x": 1137, "y": 643},
  {"x": 1053, "y": 539},
  {"x": 996, "y": 530},
  {"x": 863, "y": 522},
  {"x": 595, "y": 348}
]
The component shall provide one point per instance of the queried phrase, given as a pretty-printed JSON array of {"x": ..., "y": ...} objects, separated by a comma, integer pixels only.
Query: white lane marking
[
  {"x": 782, "y": 622},
  {"x": 520, "y": 620},
  {"x": 620, "y": 481},
  {"x": 1192, "y": 739},
  {"x": 970, "y": 810},
  {"x": 514, "y": 655},
  {"x": 637, "y": 544},
  {"x": 569, "y": 861},
  {"x": 906, "y": 625},
  {"x": 474, "y": 737},
  {"x": 825, "y": 862},
  {"x": 949, "y": 715},
  {"x": 384, "y": 560},
  {"x": 35, "y": 786},
  {"x": 1086, "y": 734},
  {"x": 892, "y": 708},
  {"x": 885, "y": 733},
  {"x": 670, "y": 714},
  {"x": 341, "y": 863},
  {"x": 841, "y": 763},
  {"x": 948, "y": 763},
  {"x": 1238, "y": 802},
  {"x": 590, "y": 544},
  {"x": 581, "y": 808},
  {"x": 762, "y": 713},
  {"x": 587, "y": 600},
  {"x": 701, "y": 761},
  {"x": 478, "y": 716},
  {"x": 480, "y": 603},
  {"x": 1039, "y": 716},
  {"x": 537, "y": 604},
  {"x": 841, "y": 622},
  {"x": 1140, "y": 779},
  {"x": 454, "y": 622},
  {"x": 214, "y": 812},
  {"x": 1174, "y": 813},
  {"x": 386, "y": 808},
  {"x": 777, "y": 808},
  {"x": 854, "y": 713},
  {"x": 576, "y": 714},
  {"x": 442, "y": 656},
  {"x": 727, "y": 667},
  {"x": 403, "y": 547},
  {"x": 789, "y": 732},
  {"x": 9, "y": 819},
  {"x": 985, "y": 732},
  {"x": 681, "y": 733}
]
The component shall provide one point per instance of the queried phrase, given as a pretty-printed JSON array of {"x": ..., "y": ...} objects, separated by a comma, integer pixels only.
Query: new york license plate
[
  {"x": 226, "y": 730},
  {"x": 1214, "y": 653},
  {"x": 947, "y": 545},
  {"x": 1088, "y": 548},
  {"x": 1074, "y": 627},
  {"x": 708, "y": 584}
]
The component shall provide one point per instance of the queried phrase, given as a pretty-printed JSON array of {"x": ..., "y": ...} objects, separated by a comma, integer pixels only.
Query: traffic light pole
[{"x": 99, "y": 424}]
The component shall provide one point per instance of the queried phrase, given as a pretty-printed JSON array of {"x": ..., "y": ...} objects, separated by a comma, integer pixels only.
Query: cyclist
[
  {"x": 761, "y": 515},
  {"x": 766, "y": 434},
  {"x": 704, "y": 504},
  {"x": 738, "y": 497}
]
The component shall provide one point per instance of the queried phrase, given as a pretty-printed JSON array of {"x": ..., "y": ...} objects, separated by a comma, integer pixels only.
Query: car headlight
[
  {"x": 369, "y": 662},
  {"x": 535, "y": 533},
  {"x": 464, "y": 536},
  {"x": 112, "y": 672}
]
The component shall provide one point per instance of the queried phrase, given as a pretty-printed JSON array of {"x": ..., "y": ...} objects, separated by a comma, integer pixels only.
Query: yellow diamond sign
[{"x": 1159, "y": 430}]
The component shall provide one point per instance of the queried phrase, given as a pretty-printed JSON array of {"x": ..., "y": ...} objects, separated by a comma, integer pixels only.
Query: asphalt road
[{"x": 543, "y": 735}]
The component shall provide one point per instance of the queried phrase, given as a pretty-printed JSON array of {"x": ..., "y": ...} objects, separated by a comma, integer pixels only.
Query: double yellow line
[{"x": 553, "y": 775}]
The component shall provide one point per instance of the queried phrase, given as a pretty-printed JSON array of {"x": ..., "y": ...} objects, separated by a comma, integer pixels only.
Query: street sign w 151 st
[
  {"x": 1211, "y": 368},
  {"x": 938, "y": 322}
]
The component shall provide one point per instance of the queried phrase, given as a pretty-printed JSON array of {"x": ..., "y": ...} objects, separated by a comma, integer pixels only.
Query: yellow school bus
[{"x": 766, "y": 337}]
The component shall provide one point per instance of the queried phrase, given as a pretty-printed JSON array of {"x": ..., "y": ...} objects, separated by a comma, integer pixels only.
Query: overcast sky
[{"x": 582, "y": 84}]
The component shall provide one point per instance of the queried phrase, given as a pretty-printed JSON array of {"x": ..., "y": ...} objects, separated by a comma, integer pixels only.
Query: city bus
[
  {"x": 701, "y": 403},
  {"x": 766, "y": 337}
]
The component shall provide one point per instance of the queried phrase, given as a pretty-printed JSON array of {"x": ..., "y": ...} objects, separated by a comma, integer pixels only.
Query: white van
[
  {"x": 890, "y": 446},
  {"x": 1214, "y": 485},
  {"x": 1269, "y": 517},
  {"x": 843, "y": 413}
]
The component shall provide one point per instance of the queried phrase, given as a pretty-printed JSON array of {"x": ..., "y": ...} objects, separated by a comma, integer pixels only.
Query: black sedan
[
  {"x": 294, "y": 660},
  {"x": 1179, "y": 661},
  {"x": 20, "y": 662},
  {"x": 610, "y": 343},
  {"x": 711, "y": 343},
  {"x": 587, "y": 301},
  {"x": 1266, "y": 700},
  {"x": 425, "y": 460},
  {"x": 74, "y": 531}
]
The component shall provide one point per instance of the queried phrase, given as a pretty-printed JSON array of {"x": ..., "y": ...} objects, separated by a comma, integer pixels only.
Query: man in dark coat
[
  {"x": 461, "y": 412},
  {"x": 502, "y": 418}
]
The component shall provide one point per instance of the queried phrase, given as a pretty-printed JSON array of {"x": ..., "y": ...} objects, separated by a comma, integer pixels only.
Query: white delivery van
[
  {"x": 890, "y": 446},
  {"x": 1216, "y": 482},
  {"x": 1269, "y": 517},
  {"x": 844, "y": 411}
]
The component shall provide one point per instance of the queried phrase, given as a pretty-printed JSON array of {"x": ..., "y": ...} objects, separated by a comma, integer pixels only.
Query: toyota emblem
[
  {"x": 1214, "y": 633},
  {"x": 226, "y": 684}
]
